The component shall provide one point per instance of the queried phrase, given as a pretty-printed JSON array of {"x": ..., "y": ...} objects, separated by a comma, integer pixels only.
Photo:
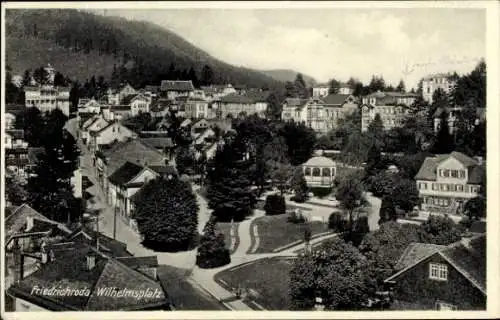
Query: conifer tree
[{"x": 212, "y": 251}]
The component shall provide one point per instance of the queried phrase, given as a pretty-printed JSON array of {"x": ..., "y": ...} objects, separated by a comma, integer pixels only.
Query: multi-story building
[
  {"x": 235, "y": 105},
  {"x": 321, "y": 90},
  {"x": 345, "y": 89},
  {"x": 391, "y": 106},
  {"x": 319, "y": 114},
  {"x": 431, "y": 83},
  {"x": 47, "y": 98},
  {"x": 174, "y": 89},
  {"x": 445, "y": 182},
  {"x": 117, "y": 95},
  {"x": 196, "y": 108}
]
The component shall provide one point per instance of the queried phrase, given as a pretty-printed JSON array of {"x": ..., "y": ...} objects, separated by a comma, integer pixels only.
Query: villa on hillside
[
  {"x": 446, "y": 181},
  {"x": 392, "y": 107},
  {"x": 320, "y": 114}
]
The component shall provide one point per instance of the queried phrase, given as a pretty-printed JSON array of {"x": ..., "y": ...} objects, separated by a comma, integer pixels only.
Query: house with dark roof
[
  {"x": 113, "y": 132},
  {"x": 116, "y": 95},
  {"x": 435, "y": 277},
  {"x": 93, "y": 124},
  {"x": 392, "y": 107},
  {"x": 18, "y": 163},
  {"x": 89, "y": 106},
  {"x": 172, "y": 89},
  {"x": 138, "y": 102},
  {"x": 446, "y": 181},
  {"x": 134, "y": 151},
  {"x": 75, "y": 276},
  {"x": 319, "y": 113},
  {"x": 196, "y": 108},
  {"x": 128, "y": 180},
  {"x": 117, "y": 112}
]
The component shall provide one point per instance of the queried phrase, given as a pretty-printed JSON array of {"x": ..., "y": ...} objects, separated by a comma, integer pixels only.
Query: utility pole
[{"x": 114, "y": 223}]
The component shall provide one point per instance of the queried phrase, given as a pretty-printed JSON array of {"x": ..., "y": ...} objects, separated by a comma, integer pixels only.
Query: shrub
[
  {"x": 337, "y": 222},
  {"x": 300, "y": 198},
  {"x": 275, "y": 204},
  {"x": 321, "y": 192},
  {"x": 295, "y": 216},
  {"x": 212, "y": 252}
]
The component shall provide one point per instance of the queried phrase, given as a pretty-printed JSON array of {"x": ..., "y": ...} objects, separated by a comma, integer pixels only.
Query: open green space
[
  {"x": 275, "y": 232},
  {"x": 264, "y": 282}
]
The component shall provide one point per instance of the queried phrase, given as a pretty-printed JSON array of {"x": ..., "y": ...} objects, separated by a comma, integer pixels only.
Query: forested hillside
[{"x": 139, "y": 52}]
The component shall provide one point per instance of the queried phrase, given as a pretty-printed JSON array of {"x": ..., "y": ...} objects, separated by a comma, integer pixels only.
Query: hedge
[{"x": 275, "y": 204}]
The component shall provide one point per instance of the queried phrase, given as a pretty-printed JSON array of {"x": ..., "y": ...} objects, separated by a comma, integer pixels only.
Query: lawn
[
  {"x": 184, "y": 295},
  {"x": 276, "y": 232},
  {"x": 225, "y": 229},
  {"x": 267, "y": 280}
]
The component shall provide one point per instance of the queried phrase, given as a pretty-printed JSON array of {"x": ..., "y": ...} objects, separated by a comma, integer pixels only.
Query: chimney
[
  {"x": 29, "y": 223},
  {"x": 90, "y": 261}
]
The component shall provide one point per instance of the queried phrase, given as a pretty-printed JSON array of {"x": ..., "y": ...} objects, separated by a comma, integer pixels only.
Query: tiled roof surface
[
  {"x": 125, "y": 173},
  {"x": 168, "y": 85},
  {"x": 295, "y": 102},
  {"x": 469, "y": 257},
  {"x": 236, "y": 98},
  {"x": 69, "y": 269},
  {"x": 16, "y": 221},
  {"x": 158, "y": 142},
  {"x": 416, "y": 252},
  {"x": 428, "y": 170},
  {"x": 133, "y": 151},
  {"x": 137, "y": 262},
  {"x": 335, "y": 99},
  {"x": 107, "y": 244},
  {"x": 120, "y": 108}
]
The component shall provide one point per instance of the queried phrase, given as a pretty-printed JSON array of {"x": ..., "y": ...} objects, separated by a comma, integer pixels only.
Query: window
[
  {"x": 423, "y": 186},
  {"x": 435, "y": 186},
  {"x": 454, "y": 173},
  {"x": 316, "y": 172},
  {"x": 326, "y": 172},
  {"x": 307, "y": 172},
  {"x": 445, "y": 306},
  {"x": 446, "y": 173},
  {"x": 438, "y": 271},
  {"x": 461, "y": 174},
  {"x": 473, "y": 189}
]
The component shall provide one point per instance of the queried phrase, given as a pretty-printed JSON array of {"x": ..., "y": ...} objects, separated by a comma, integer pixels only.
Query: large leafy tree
[
  {"x": 440, "y": 230},
  {"x": 167, "y": 214},
  {"x": 350, "y": 193},
  {"x": 334, "y": 86},
  {"x": 387, "y": 210},
  {"x": 274, "y": 107},
  {"x": 335, "y": 272},
  {"x": 301, "y": 87},
  {"x": 384, "y": 247},
  {"x": 32, "y": 122},
  {"x": 212, "y": 251},
  {"x": 475, "y": 208},
  {"x": 229, "y": 185},
  {"x": 299, "y": 185},
  {"x": 376, "y": 130},
  {"x": 185, "y": 160},
  {"x": 276, "y": 157},
  {"x": 300, "y": 141}
]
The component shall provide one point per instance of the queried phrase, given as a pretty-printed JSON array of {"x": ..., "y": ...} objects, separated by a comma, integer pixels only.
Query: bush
[
  {"x": 360, "y": 229},
  {"x": 299, "y": 198},
  {"x": 321, "y": 192},
  {"x": 212, "y": 252},
  {"x": 295, "y": 216},
  {"x": 275, "y": 204},
  {"x": 337, "y": 222}
]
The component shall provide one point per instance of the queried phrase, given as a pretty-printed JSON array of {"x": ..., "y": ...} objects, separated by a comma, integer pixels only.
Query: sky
[{"x": 330, "y": 43}]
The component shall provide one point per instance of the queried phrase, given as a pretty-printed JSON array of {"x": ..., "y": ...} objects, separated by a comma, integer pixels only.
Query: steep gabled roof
[
  {"x": 428, "y": 170},
  {"x": 416, "y": 252},
  {"x": 335, "y": 99},
  {"x": 125, "y": 173},
  {"x": 467, "y": 256},
  {"x": 71, "y": 262}
]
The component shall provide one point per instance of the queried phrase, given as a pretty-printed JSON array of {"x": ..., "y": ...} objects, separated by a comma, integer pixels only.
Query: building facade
[
  {"x": 391, "y": 106},
  {"x": 446, "y": 182},
  {"x": 431, "y": 83},
  {"x": 47, "y": 98}
]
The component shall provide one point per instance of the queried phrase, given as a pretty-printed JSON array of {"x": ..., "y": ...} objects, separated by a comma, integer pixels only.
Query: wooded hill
[{"x": 82, "y": 44}]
